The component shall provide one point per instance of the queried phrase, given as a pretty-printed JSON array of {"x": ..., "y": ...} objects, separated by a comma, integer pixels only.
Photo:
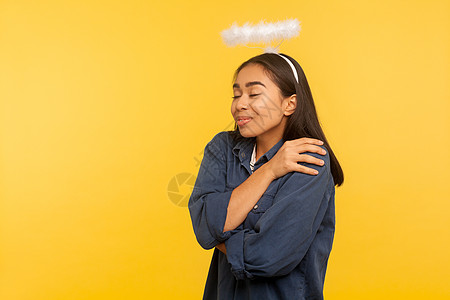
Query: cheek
[
  {"x": 266, "y": 108},
  {"x": 233, "y": 107}
]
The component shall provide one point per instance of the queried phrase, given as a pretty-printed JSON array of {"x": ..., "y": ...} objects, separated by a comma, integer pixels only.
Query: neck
[{"x": 265, "y": 141}]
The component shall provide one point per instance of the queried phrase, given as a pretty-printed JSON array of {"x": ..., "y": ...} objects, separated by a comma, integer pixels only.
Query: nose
[{"x": 242, "y": 102}]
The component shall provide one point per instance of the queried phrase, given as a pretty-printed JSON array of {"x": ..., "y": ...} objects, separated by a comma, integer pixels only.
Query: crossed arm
[
  {"x": 244, "y": 197},
  {"x": 281, "y": 236}
]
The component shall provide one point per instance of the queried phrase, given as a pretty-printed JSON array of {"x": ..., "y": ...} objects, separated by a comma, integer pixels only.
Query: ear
[{"x": 290, "y": 105}]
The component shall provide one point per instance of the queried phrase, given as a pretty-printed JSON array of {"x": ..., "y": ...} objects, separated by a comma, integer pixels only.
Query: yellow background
[{"x": 104, "y": 103}]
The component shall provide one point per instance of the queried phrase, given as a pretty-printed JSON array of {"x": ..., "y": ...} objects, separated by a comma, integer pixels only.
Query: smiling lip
[
  {"x": 241, "y": 121},
  {"x": 242, "y": 118}
]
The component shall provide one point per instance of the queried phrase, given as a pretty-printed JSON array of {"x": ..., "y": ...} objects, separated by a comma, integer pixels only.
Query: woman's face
[{"x": 257, "y": 106}]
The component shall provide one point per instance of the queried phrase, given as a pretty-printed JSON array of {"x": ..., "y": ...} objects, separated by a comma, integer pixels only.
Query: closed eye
[{"x": 252, "y": 95}]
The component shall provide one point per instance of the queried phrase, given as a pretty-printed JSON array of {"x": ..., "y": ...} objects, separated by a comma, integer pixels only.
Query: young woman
[{"x": 264, "y": 194}]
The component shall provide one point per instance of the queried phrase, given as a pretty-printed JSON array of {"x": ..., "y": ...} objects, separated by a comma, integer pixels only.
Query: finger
[
  {"x": 310, "y": 148},
  {"x": 310, "y": 159},
  {"x": 306, "y": 170},
  {"x": 305, "y": 140}
]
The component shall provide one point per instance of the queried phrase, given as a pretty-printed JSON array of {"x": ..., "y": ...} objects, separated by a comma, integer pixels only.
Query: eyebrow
[{"x": 248, "y": 84}]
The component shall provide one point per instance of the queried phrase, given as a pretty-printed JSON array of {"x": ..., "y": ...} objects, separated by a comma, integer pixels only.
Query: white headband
[{"x": 292, "y": 66}]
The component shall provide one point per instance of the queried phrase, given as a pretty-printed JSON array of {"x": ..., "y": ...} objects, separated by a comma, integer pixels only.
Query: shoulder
[
  {"x": 301, "y": 179},
  {"x": 225, "y": 139},
  {"x": 222, "y": 143},
  {"x": 325, "y": 157}
]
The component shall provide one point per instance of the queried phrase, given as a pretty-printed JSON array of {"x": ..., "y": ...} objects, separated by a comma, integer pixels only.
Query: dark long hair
[{"x": 304, "y": 121}]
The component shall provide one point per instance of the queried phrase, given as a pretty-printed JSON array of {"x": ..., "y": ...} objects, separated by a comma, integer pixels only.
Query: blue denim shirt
[{"x": 281, "y": 249}]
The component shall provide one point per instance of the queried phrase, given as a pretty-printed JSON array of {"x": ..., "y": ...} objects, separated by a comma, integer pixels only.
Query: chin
[{"x": 247, "y": 133}]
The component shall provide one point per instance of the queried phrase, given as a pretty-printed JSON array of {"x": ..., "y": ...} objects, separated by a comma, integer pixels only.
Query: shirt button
[
  {"x": 256, "y": 206},
  {"x": 243, "y": 154}
]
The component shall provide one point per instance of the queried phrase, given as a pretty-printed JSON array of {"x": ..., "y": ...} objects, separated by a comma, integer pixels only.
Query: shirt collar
[{"x": 244, "y": 148}]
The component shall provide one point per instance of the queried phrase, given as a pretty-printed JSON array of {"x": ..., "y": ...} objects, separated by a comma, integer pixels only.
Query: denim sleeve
[
  {"x": 285, "y": 231},
  {"x": 208, "y": 202}
]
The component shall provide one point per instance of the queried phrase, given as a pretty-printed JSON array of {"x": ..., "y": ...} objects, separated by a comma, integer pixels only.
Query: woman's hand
[
  {"x": 287, "y": 158},
  {"x": 222, "y": 248}
]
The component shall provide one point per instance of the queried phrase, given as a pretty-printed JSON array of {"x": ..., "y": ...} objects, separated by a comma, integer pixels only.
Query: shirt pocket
[
  {"x": 229, "y": 187},
  {"x": 264, "y": 203}
]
